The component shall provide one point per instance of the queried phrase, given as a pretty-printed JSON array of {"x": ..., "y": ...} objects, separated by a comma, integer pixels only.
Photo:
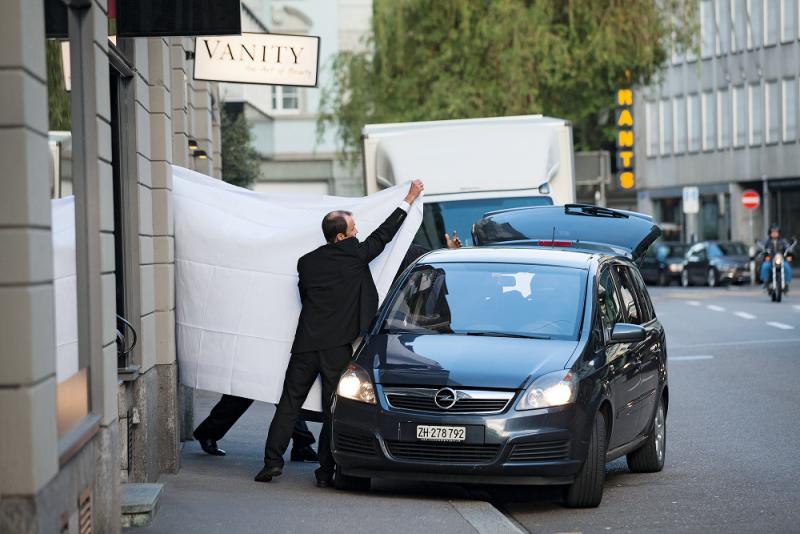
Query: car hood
[
  {"x": 458, "y": 360},
  {"x": 732, "y": 260}
]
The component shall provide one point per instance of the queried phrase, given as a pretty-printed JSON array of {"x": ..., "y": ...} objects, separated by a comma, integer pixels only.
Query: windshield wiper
[{"x": 503, "y": 334}]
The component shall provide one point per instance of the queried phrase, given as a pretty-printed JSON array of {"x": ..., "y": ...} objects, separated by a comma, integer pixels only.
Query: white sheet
[
  {"x": 236, "y": 295},
  {"x": 65, "y": 287}
]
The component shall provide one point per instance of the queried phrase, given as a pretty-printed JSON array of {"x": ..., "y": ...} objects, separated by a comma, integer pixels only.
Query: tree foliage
[
  {"x": 58, "y": 100},
  {"x": 240, "y": 162},
  {"x": 446, "y": 59}
]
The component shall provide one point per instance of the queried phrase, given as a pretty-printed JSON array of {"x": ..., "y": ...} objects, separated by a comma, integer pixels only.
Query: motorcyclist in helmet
[{"x": 775, "y": 243}]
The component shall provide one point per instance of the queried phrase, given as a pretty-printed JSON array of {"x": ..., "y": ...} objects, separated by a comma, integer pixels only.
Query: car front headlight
[
  {"x": 553, "y": 389},
  {"x": 675, "y": 267},
  {"x": 354, "y": 384}
]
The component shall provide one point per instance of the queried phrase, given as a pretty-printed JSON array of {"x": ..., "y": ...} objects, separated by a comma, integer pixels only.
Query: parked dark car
[
  {"x": 534, "y": 358},
  {"x": 662, "y": 264},
  {"x": 713, "y": 263}
]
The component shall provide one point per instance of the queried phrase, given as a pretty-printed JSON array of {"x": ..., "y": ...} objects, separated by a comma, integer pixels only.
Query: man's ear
[{"x": 340, "y": 237}]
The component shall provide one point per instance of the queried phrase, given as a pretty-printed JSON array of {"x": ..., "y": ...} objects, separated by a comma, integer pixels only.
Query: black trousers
[
  {"x": 300, "y": 375},
  {"x": 230, "y": 408}
]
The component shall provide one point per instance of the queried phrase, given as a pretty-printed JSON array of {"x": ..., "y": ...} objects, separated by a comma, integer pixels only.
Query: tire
[
  {"x": 351, "y": 483},
  {"x": 587, "y": 489},
  {"x": 663, "y": 279},
  {"x": 778, "y": 291},
  {"x": 685, "y": 280},
  {"x": 711, "y": 278},
  {"x": 649, "y": 458}
]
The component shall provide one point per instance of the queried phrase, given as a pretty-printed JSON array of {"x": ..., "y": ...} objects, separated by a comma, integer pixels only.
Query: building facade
[
  {"x": 284, "y": 119},
  {"x": 73, "y": 435},
  {"x": 724, "y": 118}
]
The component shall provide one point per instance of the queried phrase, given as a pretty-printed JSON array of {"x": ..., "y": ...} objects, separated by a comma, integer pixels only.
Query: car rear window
[{"x": 475, "y": 298}]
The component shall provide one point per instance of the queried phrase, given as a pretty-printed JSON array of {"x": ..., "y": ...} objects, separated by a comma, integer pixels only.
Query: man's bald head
[{"x": 338, "y": 222}]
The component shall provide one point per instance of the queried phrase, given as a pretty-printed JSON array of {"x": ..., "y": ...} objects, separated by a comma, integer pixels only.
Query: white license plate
[{"x": 441, "y": 433}]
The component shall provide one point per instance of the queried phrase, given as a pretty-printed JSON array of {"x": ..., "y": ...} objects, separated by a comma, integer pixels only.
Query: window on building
[
  {"x": 756, "y": 107},
  {"x": 739, "y": 17},
  {"x": 651, "y": 116},
  {"x": 694, "y": 122},
  {"x": 772, "y": 27},
  {"x": 773, "y": 106},
  {"x": 709, "y": 107},
  {"x": 706, "y": 29},
  {"x": 285, "y": 99},
  {"x": 789, "y": 17},
  {"x": 789, "y": 110},
  {"x": 679, "y": 124},
  {"x": 723, "y": 43},
  {"x": 756, "y": 26},
  {"x": 724, "y": 114},
  {"x": 739, "y": 116},
  {"x": 665, "y": 113}
]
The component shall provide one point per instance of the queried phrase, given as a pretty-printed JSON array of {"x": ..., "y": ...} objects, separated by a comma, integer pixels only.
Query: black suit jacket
[{"x": 337, "y": 291}]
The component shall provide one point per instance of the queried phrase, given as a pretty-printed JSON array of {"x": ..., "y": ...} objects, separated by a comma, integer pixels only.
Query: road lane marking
[
  {"x": 690, "y": 358},
  {"x": 485, "y": 518},
  {"x": 782, "y": 326},
  {"x": 737, "y": 343},
  {"x": 744, "y": 315},
  {"x": 693, "y": 302},
  {"x": 714, "y": 307}
]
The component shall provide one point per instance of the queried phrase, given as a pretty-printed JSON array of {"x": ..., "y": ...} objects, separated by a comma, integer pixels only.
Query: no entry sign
[{"x": 750, "y": 199}]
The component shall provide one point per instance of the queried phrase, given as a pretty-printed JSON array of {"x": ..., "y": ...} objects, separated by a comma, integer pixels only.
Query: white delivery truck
[{"x": 471, "y": 167}]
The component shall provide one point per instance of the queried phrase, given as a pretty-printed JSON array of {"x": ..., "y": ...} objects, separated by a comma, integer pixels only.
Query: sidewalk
[{"x": 218, "y": 494}]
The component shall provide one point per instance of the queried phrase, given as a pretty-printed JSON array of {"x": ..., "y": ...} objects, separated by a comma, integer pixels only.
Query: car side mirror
[{"x": 627, "y": 333}]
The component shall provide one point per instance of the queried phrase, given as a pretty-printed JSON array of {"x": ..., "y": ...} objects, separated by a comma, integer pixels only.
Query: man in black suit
[
  {"x": 339, "y": 300},
  {"x": 228, "y": 410}
]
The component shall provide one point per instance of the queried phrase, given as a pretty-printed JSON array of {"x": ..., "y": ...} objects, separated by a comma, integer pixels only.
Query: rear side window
[
  {"x": 608, "y": 301},
  {"x": 645, "y": 304},
  {"x": 627, "y": 288}
]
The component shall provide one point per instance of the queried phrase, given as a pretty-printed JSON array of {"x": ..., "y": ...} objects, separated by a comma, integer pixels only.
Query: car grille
[
  {"x": 468, "y": 401},
  {"x": 456, "y": 453},
  {"x": 364, "y": 445},
  {"x": 539, "y": 451}
]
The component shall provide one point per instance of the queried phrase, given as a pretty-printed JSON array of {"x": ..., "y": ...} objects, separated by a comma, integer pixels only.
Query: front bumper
[
  {"x": 736, "y": 276},
  {"x": 545, "y": 446}
]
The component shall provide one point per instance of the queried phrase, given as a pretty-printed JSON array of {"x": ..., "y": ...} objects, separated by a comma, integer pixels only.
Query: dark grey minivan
[{"x": 533, "y": 358}]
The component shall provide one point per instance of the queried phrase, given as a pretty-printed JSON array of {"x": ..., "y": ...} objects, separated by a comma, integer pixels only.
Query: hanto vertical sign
[{"x": 627, "y": 177}]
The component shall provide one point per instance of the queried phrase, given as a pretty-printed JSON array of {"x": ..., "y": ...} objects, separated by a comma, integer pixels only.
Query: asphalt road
[
  {"x": 733, "y": 461},
  {"x": 732, "y": 450}
]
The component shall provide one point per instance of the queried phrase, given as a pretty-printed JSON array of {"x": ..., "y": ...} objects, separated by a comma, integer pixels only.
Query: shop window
[
  {"x": 789, "y": 110},
  {"x": 755, "y": 102},
  {"x": 739, "y": 117}
]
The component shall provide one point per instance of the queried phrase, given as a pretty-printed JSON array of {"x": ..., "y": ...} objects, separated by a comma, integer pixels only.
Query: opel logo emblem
[{"x": 445, "y": 398}]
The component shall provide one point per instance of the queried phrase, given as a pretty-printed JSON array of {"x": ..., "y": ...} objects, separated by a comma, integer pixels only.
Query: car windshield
[
  {"x": 716, "y": 250},
  {"x": 664, "y": 251},
  {"x": 517, "y": 300},
  {"x": 459, "y": 215}
]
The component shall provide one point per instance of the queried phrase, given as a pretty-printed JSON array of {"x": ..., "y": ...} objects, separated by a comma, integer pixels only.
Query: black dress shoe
[
  {"x": 304, "y": 454},
  {"x": 324, "y": 479},
  {"x": 267, "y": 473},
  {"x": 209, "y": 446}
]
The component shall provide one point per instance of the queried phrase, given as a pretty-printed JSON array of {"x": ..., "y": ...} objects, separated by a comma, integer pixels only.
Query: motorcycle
[{"x": 775, "y": 284}]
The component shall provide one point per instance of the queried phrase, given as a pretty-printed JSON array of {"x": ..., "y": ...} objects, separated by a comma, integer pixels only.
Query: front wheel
[
  {"x": 685, "y": 282},
  {"x": 778, "y": 290},
  {"x": 663, "y": 278},
  {"x": 649, "y": 458},
  {"x": 711, "y": 277},
  {"x": 587, "y": 489}
]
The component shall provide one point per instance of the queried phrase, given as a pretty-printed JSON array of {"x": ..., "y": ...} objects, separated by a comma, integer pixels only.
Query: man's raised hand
[{"x": 414, "y": 191}]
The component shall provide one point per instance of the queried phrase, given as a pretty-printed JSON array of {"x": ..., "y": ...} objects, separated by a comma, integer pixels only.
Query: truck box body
[{"x": 471, "y": 167}]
